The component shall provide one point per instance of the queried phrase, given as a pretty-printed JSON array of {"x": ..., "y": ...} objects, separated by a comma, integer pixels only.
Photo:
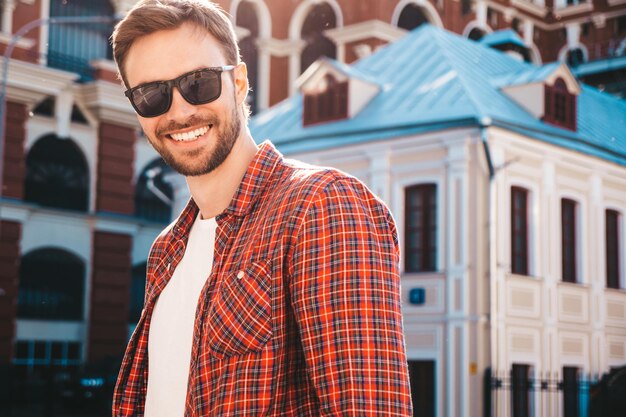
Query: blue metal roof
[
  {"x": 433, "y": 79},
  {"x": 600, "y": 66},
  {"x": 502, "y": 37}
]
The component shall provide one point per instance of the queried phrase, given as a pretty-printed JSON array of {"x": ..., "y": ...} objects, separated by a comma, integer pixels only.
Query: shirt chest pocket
[{"x": 240, "y": 317}]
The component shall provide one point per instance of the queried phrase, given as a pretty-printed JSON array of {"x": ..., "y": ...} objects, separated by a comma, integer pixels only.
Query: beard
[{"x": 201, "y": 161}]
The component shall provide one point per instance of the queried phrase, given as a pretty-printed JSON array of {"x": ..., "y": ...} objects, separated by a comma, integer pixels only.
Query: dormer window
[
  {"x": 328, "y": 103},
  {"x": 560, "y": 105}
]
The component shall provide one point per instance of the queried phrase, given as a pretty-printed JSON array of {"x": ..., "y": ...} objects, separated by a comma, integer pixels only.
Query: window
[
  {"x": 466, "y": 6},
  {"x": 420, "y": 228},
  {"x": 521, "y": 388},
  {"x": 411, "y": 17},
  {"x": 519, "y": 231},
  {"x": 560, "y": 105},
  {"x": 153, "y": 194},
  {"x": 56, "y": 174},
  {"x": 575, "y": 57},
  {"x": 33, "y": 354},
  {"x": 476, "y": 34},
  {"x": 570, "y": 391},
  {"x": 612, "y": 224},
  {"x": 320, "y": 18},
  {"x": 568, "y": 240},
  {"x": 51, "y": 285},
  {"x": 73, "y": 46},
  {"x": 247, "y": 18},
  {"x": 422, "y": 375},
  {"x": 328, "y": 105}
]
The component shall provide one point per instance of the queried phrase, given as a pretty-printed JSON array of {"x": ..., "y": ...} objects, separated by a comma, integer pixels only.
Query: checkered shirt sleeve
[{"x": 345, "y": 290}]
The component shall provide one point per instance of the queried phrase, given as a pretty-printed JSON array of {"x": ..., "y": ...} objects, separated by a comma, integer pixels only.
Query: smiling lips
[{"x": 191, "y": 135}]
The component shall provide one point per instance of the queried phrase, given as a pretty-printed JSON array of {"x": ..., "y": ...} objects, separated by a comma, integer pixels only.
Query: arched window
[
  {"x": 57, "y": 174},
  {"x": 51, "y": 286},
  {"x": 411, "y": 17},
  {"x": 247, "y": 18},
  {"x": 153, "y": 194},
  {"x": 476, "y": 34},
  {"x": 320, "y": 18},
  {"x": 71, "y": 47},
  {"x": 575, "y": 57},
  {"x": 137, "y": 292}
]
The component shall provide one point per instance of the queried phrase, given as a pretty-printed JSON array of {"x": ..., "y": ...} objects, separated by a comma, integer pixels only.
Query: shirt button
[{"x": 240, "y": 274}]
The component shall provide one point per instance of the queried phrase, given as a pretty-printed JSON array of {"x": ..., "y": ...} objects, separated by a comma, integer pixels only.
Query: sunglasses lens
[
  {"x": 151, "y": 99},
  {"x": 201, "y": 86}
]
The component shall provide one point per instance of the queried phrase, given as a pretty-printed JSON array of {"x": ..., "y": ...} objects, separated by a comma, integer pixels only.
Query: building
[
  {"x": 83, "y": 194},
  {"x": 281, "y": 39},
  {"x": 507, "y": 181}
]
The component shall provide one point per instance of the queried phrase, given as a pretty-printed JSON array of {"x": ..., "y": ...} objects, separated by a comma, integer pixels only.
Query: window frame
[
  {"x": 570, "y": 272},
  {"x": 328, "y": 105},
  {"x": 525, "y": 231},
  {"x": 613, "y": 280},
  {"x": 560, "y": 106},
  {"x": 430, "y": 222}
]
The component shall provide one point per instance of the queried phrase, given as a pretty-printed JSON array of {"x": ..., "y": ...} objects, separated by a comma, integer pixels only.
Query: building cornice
[
  {"x": 565, "y": 18},
  {"x": 107, "y": 101},
  {"x": 281, "y": 47},
  {"x": 573, "y": 10},
  {"x": 24, "y": 43},
  {"x": 364, "y": 30},
  {"x": 529, "y": 7},
  {"x": 29, "y": 83},
  {"x": 123, "y": 6}
]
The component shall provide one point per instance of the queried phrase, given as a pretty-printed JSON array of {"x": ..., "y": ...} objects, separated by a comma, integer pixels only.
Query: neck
[{"x": 214, "y": 191}]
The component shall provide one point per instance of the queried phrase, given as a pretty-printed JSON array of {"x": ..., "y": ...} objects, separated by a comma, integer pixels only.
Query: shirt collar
[{"x": 251, "y": 187}]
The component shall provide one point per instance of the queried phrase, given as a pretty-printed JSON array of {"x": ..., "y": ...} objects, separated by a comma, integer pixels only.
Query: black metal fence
[
  {"x": 56, "y": 391},
  {"x": 521, "y": 393}
]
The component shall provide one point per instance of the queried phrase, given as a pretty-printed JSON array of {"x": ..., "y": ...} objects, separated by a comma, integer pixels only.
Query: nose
[{"x": 180, "y": 109}]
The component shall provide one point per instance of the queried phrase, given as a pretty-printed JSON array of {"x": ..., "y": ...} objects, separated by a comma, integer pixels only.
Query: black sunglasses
[{"x": 197, "y": 87}]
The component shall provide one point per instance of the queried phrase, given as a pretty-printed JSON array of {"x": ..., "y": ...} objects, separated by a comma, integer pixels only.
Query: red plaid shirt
[{"x": 301, "y": 314}]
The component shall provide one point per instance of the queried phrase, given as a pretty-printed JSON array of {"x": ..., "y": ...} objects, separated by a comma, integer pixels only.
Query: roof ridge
[{"x": 460, "y": 72}]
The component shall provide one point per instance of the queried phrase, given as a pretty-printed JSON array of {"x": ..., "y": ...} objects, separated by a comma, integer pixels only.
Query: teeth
[{"x": 190, "y": 135}]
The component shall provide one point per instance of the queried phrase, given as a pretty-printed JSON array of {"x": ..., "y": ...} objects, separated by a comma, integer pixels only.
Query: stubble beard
[{"x": 188, "y": 165}]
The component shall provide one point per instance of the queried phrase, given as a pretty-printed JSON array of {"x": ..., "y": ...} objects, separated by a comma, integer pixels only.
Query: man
[{"x": 276, "y": 291}]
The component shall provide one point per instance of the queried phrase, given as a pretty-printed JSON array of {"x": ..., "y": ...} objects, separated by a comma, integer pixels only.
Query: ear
[{"x": 240, "y": 74}]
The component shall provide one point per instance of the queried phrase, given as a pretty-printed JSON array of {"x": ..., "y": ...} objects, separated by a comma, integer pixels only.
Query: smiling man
[{"x": 276, "y": 292}]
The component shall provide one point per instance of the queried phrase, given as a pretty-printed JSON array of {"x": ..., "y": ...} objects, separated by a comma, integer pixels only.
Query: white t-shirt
[{"x": 171, "y": 327}]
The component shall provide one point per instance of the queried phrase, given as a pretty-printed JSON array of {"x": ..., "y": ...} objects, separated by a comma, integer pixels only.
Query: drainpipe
[{"x": 485, "y": 122}]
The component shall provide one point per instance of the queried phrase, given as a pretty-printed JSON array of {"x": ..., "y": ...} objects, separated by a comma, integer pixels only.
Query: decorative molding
[
  {"x": 123, "y": 6},
  {"x": 281, "y": 47},
  {"x": 105, "y": 64},
  {"x": 530, "y": 7},
  {"x": 127, "y": 227},
  {"x": 575, "y": 9},
  {"x": 24, "y": 43},
  {"x": 107, "y": 101},
  {"x": 30, "y": 83},
  {"x": 241, "y": 32},
  {"x": 599, "y": 20},
  {"x": 364, "y": 30}
]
